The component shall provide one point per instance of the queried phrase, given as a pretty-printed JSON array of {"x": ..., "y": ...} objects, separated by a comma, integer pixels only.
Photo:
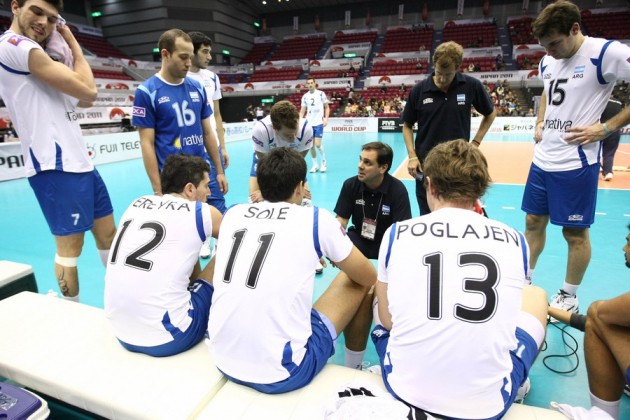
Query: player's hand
[
  {"x": 226, "y": 158},
  {"x": 325, "y": 121},
  {"x": 222, "y": 181},
  {"x": 585, "y": 135},
  {"x": 322, "y": 261},
  {"x": 256, "y": 197},
  {"x": 538, "y": 131},
  {"x": 307, "y": 194},
  {"x": 413, "y": 166}
]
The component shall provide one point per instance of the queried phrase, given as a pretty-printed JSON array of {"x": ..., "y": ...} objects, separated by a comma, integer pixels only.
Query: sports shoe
[
  {"x": 522, "y": 392},
  {"x": 319, "y": 269},
  {"x": 314, "y": 169},
  {"x": 608, "y": 177},
  {"x": 323, "y": 168},
  {"x": 205, "y": 252},
  {"x": 626, "y": 390},
  {"x": 566, "y": 302},
  {"x": 375, "y": 369}
]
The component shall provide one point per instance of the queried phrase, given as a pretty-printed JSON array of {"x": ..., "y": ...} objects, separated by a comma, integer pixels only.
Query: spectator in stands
[
  {"x": 271, "y": 309},
  {"x": 125, "y": 124},
  {"x": 435, "y": 345},
  {"x": 160, "y": 307},
  {"x": 202, "y": 50},
  {"x": 41, "y": 97},
  {"x": 182, "y": 123},
  {"x": 317, "y": 110},
  {"x": 249, "y": 112},
  {"x": 374, "y": 200},
  {"x": 436, "y": 105},
  {"x": 562, "y": 183},
  {"x": 471, "y": 67}
]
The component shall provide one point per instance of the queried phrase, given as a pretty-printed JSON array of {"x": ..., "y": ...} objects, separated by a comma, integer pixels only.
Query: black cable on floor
[{"x": 572, "y": 345}]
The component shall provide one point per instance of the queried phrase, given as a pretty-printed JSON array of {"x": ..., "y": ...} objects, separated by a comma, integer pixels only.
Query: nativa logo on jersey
[{"x": 193, "y": 140}]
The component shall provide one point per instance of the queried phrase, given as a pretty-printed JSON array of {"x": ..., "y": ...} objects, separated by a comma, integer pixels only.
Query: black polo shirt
[
  {"x": 444, "y": 116},
  {"x": 355, "y": 199}
]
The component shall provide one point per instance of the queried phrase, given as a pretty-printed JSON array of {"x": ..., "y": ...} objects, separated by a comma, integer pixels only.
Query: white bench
[
  {"x": 16, "y": 278},
  {"x": 67, "y": 351}
]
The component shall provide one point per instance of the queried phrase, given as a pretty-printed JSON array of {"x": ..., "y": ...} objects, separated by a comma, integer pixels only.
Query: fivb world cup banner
[{"x": 336, "y": 83}]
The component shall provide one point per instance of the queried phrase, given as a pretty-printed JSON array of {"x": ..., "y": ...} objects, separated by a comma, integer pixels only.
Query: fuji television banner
[
  {"x": 335, "y": 64},
  {"x": 116, "y": 84},
  {"x": 482, "y": 52},
  {"x": 288, "y": 84},
  {"x": 337, "y": 51},
  {"x": 284, "y": 64},
  {"x": 408, "y": 80},
  {"x": 399, "y": 57}
]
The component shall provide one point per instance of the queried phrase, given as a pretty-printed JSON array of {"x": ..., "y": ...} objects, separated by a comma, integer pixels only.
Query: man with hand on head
[{"x": 42, "y": 95}]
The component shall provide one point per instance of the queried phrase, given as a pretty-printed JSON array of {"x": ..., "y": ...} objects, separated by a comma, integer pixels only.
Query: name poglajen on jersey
[{"x": 445, "y": 230}]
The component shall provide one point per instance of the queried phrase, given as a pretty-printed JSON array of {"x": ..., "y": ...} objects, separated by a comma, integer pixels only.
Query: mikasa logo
[
  {"x": 576, "y": 218},
  {"x": 427, "y": 101}
]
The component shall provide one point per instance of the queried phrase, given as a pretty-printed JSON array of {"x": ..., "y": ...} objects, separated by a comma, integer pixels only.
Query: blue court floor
[{"x": 26, "y": 239}]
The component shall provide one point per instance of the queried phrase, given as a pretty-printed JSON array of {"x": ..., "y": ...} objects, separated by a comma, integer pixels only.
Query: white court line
[
  {"x": 600, "y": 213},
  {"x": 508, "y": 208},
  {"x": 626, "y": 215}
]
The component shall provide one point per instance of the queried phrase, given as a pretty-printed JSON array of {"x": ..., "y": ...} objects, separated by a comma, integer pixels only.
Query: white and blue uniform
[
  {"x": 265, "y": 139},
  {"x": 175, "y": 113},
  {"x": 454, "y": 286},
  {"x": 55, "y": 155},
  {"x": 314, "y": 104},
  {"x": 264, "y": 279},
  {"x": 212, "y": 84},
  {"x": 147, "y": 300},
  {"x": 562, "y": 181}
]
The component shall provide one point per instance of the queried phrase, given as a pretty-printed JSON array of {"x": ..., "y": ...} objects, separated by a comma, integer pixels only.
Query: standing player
[
  {"x": 441, "y": 105},
  {"x": 264, "y": 283},
  {"x": 202, "y": 47},
  {"x": 315, "y": 105},
  {"x": 157, "y": 299},
  {"x": 41, "y": 96},
  {"x": 579, "y": 74},
  {"x": 172, "y": 112},
  {"x": 458, "y": 321}
]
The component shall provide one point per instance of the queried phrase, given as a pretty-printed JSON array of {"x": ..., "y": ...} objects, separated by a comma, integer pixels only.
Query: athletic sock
[
  {"x": 104, "y": 255},
  {"x": 320, "y": 149},
  {"x": 71, "y": 298},
  {"x": 610, "y": 407},
  {"x": 570, "y": 288},
  {"x": 354, "y": 359}
]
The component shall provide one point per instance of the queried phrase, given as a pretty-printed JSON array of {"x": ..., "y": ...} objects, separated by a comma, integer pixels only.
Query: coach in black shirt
[
  {"x": 375, "y": 200},
  {"x": 441, "y": 105}
]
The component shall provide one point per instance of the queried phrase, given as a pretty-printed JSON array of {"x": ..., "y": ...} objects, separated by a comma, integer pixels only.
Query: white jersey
[
  {"x": 210, "y": 81},
  {"x": 44, "y": 118},
  {"x": 260, "y": 318},
  {"x": 265, "y": 137},
  {"x": 149, "y": 268},
  {"x": 314, "y": 104},
  {"x": 577, "y": 91},
  {"x": 454, "y": 285}
]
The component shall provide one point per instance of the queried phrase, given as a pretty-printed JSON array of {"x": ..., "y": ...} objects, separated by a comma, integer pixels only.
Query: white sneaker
[
  {"x": 608, "y": 177},
  {"x": 323, "y": 168},
  {"x": 375, "y": 369},
  {"x": 522, "y": 392},
  {"x": 314, "y": 169},
  {"x": 319, "y": 269},
  {"x": 566, "y": 302},
  {"x": 205, "y": 252}
]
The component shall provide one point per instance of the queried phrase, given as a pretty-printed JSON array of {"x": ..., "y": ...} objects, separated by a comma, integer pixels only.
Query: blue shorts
[
  {"x": 216, "y": 199},
  {"x": 319, "y": 348},
  {"x": 568, "y": 197},
  {"x": 318, "y": 131},
  {"x": 71, "y": 201},
  {"x": 200, "y": 296},
  {"x": 523, "y": 358}
]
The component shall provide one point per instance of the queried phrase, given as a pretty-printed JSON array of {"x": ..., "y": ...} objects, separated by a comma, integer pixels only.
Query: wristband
[
  {"x": 477, "y": 142},
  {"x": 606, "y": 129},
  {"x": 413, "y": 158}
]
